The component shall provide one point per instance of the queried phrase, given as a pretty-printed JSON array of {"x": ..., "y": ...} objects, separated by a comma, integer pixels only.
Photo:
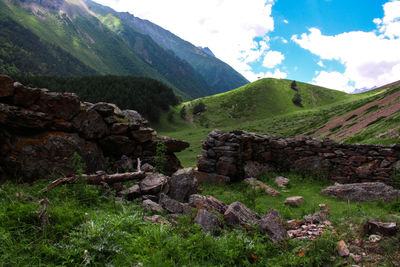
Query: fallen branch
[{"x": 98, "y": 179}]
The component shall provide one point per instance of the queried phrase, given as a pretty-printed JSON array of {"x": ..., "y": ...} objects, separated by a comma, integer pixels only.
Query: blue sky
[{"x": 340, "y": 44}]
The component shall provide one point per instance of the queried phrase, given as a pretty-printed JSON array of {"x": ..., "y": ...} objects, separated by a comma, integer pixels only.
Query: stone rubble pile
[
  {"x": 233, "y": 156},
  {"x": 40, "y": 131}
]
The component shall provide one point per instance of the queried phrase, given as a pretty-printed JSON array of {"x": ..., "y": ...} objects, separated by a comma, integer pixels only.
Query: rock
[
  {"x": 152, "y": 206},
  {"x": 204, "y": 177},
  {"x": 117, "y": 145},
  {"x": 208, "y": 203},
  {"x": 183, "y": 184},
  {"x": 271, "y": 224},
  {"x": 59, "y": 105},
  {"x": 6, "y": 86},
  {"x": 374, "y": 238},
  {"x": 22, "y": 119},
  {"x": 134, "y": 119},
  {"x": 56, "y": 150},
  {"x": 131, "y": 193},
  {"x": 25, "y": 96},
  {"x": 107, "y": 110},
  {"x": 90, "y": 125},
  {"x": 150, "y": 197},
  {"x": 206, "y": 165},
  {"x": 374, "y": 227},
  {"x": 237, "y": 214},
  {"x": 209, "y": 222},
  {"x": 255, "y": 169},
  {"x": 295, "y": 224},
  {"x": 342, "y": 249},
  {"x": 362, "y": 192},
  {"x": 144, "y": 134},
  {"x": 281, "y": 181},
  {"x": 119, "y": 128},
  {"x": 294, "y": 201},
  {"x": 258, "y": 185},
  {"x": 157, "y": 219},
  {"x": 147, "y": 168},
  {"x": 173, "y": 206},
  {"x": 154, "y": 184},
  {"x": 173, "y": 145},
  {"x": 125, "y": 164},
  {"x": 227, "y": 166},
  {"x": 317, "y": 217}
]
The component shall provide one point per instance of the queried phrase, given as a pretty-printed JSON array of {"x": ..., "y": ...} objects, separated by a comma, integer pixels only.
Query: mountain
[
  {"x": 92, "y": 38},
  {"x": 207, "y": 50},
  {"x": 218, "y": 75}
]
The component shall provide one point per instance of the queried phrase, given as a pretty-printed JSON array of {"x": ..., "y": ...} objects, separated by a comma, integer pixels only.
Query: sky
[{"x": 339, "y": 44}]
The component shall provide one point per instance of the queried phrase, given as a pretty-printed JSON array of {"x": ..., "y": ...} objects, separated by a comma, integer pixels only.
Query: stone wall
[
  {"x": 41, "y": 130},
  {"x": 238, "y": 154}
]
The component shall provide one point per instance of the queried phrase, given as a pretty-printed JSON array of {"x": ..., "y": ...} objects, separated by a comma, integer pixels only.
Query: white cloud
[
  {"x": 333, "y": 80},
  {"x": 320, "y": 63},
  {"x": 285, "y": 21},
  {"x": 227, "y": 27},
  {"x": 272, "y": 59},
  {"x": 370, "y": 58},
  {"x": 276, "y": 74}
]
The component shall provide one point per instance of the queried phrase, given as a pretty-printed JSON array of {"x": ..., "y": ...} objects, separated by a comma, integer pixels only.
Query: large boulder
[
  {"x": 272, "y": 225},
  {"x": 23, "y": 120},
  {"x": 49, "y": 153},
  {"x": 173, "y": 206},
  {"x": 208, "y": 221},
  {"x": 237, "y": 214},
  {"x": 6, "y": 86},
  {"x": 154, "y": 184},
  {"x": 361, "y": 192},
  {"x": 90, "y": 125},
  {"x": 173, "y": 145},
  {"x": 208, "y": 203},
  {"x": 59, "y": 105},
  {"x": 383, "y": 228},
  {"x": 183, "y": 184}
]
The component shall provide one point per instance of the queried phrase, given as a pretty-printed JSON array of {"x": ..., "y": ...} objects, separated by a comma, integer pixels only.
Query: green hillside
[
  {"x": 266, "y": 107},
  {"x": 219, "y": 76},
  {"x": 260, "y": 100},
  {"x": 97, "y": 40}
]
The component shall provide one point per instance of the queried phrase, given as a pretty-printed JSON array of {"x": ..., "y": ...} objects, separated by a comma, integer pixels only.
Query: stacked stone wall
[
  {"x": 232, "y": 156},
  {"x": 40, "y": 131}
]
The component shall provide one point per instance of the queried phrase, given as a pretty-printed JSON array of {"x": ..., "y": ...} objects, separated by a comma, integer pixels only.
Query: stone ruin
[
  {"x": 233, "y": 156},
  {"x": 40, "y": 131}
]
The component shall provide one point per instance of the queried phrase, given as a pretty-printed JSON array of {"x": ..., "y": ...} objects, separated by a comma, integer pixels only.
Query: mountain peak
[{"x": 207, "y": 51}]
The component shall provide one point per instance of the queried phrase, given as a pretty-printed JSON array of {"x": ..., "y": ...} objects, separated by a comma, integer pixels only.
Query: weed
[{"x": 160, "y": 158}]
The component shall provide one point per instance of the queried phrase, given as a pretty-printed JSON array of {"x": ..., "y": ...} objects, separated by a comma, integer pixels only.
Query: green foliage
[
  {"x": 170, "y": 117},
  {"x": 293, "y": 85},
  {"x": 199, "y": 108},
  {"x": 182, "y": 113},
  {"x": 78, "y": 165},
  {"x": 149, "y": 97},
  {"x": 160, "y": 159},
  {"x": 297, "y": 100}
]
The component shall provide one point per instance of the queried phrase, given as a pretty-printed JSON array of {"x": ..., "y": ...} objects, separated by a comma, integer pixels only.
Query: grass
[{"x": 87, "y": 226}]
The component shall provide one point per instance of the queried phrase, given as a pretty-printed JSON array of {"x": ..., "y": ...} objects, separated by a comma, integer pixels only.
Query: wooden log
[{"x": 100, "y": 178}]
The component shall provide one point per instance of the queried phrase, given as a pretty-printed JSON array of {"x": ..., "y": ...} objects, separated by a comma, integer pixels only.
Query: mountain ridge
[{"x": 104, "y": 44}]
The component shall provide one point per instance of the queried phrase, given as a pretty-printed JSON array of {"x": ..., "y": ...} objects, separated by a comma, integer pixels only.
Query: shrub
[
  {"x": 297, "y": 100},
  {"x": 182, "y": 113},
  {"x": 199, "y": 107}
]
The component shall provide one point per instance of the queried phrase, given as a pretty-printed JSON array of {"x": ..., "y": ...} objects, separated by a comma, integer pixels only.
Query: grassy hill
[{"x": 266, "y": 107}]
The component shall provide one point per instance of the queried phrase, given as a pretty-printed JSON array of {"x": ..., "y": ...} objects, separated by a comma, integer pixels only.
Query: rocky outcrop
[
  {"x": 40, "y": 131},
  {"x": 239, "y": 154},
  {"x": 362, "y": 192}
]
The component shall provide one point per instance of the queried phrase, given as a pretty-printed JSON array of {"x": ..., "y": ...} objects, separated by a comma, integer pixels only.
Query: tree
[
  {"x": 182, "y": 113},
  {"x": 293, "y": 85},
  {"x": 199, "y": 107},
  {"x": 297, "y": 100}
]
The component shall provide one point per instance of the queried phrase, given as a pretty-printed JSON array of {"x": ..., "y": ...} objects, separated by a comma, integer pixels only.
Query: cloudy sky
[{"x": 340, "y": 44}]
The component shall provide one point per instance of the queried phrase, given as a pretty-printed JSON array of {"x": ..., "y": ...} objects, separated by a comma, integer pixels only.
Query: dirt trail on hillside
[{"x": 387, "y": 110}]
